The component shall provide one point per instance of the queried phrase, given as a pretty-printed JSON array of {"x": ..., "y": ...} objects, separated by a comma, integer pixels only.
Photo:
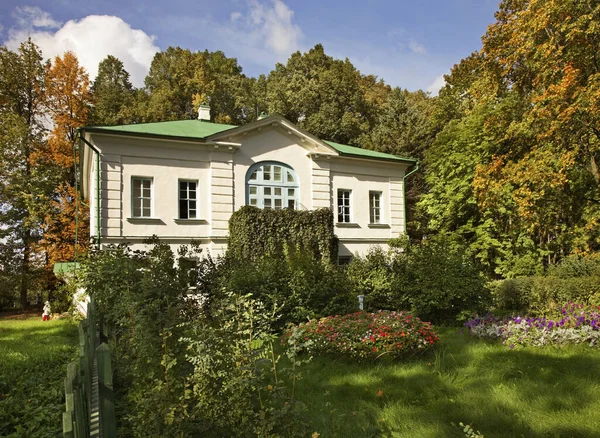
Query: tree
[
  {"x": 23, "y": 187},
  {"x": 68, "y": 100},
  {"x": 180, "y": 80},
  {"x": 113, "y": 94},
  {"x": 321, "y": 94},
  {"x": 523, "y": 145}
]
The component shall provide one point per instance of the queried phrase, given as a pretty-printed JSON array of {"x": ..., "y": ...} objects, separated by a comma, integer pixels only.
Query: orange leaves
[{"x": 67, "y": 100}]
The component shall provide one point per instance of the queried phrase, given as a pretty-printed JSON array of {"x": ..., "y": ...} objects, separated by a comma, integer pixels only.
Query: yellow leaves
[{"x": 531, "y": 187}]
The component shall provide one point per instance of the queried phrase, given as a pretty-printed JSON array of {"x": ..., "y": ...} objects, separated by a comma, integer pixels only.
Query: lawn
[
  {"x": 33, "y": 362},
  {"x": 526, "y": 392}
]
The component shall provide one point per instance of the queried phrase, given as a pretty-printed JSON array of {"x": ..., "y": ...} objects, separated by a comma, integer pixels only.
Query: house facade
[{"x": 182, "y": 180}]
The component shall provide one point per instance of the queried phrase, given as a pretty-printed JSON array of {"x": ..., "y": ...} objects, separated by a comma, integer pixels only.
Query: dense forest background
[{"x": 509, "y": 148}]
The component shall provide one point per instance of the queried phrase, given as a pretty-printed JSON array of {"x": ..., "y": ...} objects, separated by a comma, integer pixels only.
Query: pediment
[{"x": 312, "y": 144}]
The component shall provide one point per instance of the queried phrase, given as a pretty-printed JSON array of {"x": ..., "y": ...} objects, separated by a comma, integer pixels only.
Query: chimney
[{"x": 204, "y": 113}]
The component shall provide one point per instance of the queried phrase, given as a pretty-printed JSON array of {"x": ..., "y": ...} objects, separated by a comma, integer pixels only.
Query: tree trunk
[{"x": 25, "y": 274}]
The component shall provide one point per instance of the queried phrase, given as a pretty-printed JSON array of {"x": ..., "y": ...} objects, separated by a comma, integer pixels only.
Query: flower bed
[
  {"x": 573, "y": 324},
  {"x": 363, "y": 335}
]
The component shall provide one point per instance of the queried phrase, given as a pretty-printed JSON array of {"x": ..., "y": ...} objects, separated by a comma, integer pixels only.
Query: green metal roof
[
  {"x": 344, "y": 149},
  {"x": 199, "y": 130},
  {"x": 196, "y": 129},
  {"x": 65, "y": 267}
]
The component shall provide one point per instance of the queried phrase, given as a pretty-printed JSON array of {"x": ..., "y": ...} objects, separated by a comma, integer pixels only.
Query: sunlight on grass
[
  {"x": 33, "y": 365},
  {"x": 498, "y": 391}
]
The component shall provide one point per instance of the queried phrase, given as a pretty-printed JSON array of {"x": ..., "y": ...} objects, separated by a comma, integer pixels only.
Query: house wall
[{"x": 221, "y": 175}]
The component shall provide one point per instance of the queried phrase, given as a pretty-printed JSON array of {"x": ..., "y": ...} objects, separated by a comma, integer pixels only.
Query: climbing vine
[{"x": 254, "y": 233}]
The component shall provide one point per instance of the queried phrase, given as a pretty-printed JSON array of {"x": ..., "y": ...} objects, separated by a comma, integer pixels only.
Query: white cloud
[
  {"x": 263, "y": 33},
  {"x": 29, "y": 17},
  {"x": 436, "y": 85},
  {"x": 92, "y": 39},
  {"x": 415, "y": 47}
]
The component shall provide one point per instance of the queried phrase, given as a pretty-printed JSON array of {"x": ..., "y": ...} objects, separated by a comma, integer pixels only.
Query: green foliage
[
  {"x": 113, "y": 94},
  {"x": 322, "y": 94},
  {"x": 373, "y": 277},
  {"x": 235, "y": 385},
  {"x": 511, "y": 295},
  {"x": 199, "y": 365},
  {"x": 255, "y": 233},
  {"x": 34, "y": 355},
  {"x": 298, "y": 283},
  {"x": 575, "y": 279},
  {"x": 179, "y": 80},
  {"x": 436, "y": 279},
  {"x": 25, "y": 189},
  {"x": 61, "y": 297},
  {"x": 514, "y": 168}
]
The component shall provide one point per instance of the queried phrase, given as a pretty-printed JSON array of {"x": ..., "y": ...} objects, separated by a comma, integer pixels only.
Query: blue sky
[{"x": 410, "y": 44}]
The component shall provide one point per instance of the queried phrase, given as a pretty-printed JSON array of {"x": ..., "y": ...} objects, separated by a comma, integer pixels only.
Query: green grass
[
  {"x": 527, "y": 392},
  {"x": 33, "y": 363}
]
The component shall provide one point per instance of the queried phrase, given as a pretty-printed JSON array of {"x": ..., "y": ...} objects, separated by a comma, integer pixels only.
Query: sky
[{"x": 407, "y": 43}]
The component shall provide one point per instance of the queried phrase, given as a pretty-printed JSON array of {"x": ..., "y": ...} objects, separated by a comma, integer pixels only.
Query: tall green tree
[
  {"x": 23, "y": 186},
  {"x": 321, "y": 94},
  {"x": 180, "y": 80},
  {"x": 514, "y": 169},
  {"x": 113, "y": 94}
]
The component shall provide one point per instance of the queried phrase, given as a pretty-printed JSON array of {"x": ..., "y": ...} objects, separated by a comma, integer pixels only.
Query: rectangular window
[
  {"x": 188, "y": 199},
  {"x": 142, "y": 197},
  {"x": 343, "y": 198},
  {"x": 375, "y": 207}
]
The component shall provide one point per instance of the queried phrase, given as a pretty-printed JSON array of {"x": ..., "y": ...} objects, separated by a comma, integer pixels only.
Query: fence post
[
  {"x": 68, "y": 425},
  {"x": 105, "y": 386}
]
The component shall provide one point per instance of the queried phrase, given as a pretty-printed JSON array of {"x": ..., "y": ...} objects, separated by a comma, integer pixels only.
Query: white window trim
[
  {"x": 380, "y": 208},
  {"x": 179, "y": 218},
  {"x": 260, "y": 184},
  {"x": 350, "y": 204},
  {"x": 132, "y": 198}
]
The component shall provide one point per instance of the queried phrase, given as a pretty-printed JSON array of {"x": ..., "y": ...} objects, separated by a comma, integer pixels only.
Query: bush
[
  {"x": 372, "y": 276},
  {"x": 364, "y": 335},
  {"x": 182, "y": 369},
  {"x": 511, "y": 295},
  {"x": 575, "y": 279},
  {"x": 435, "y": 279},
  {"x": 300, "y": 284}
]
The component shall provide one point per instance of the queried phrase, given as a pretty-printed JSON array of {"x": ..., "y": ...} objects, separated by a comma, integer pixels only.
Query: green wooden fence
[{"x": 89, "y": 395}]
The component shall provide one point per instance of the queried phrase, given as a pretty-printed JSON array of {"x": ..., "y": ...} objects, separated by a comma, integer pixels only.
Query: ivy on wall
[{"x": 254, "y": 233}]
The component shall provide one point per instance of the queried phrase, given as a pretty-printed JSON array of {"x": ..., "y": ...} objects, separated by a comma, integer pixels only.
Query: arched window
[{"x": 272, "y": 185}]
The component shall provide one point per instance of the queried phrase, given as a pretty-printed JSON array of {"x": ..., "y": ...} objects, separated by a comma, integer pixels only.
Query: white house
[{"x": 182, "y": 180}]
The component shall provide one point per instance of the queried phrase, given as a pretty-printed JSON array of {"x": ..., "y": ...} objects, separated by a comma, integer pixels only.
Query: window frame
[
  {"x": 140, "y": 199},
  {"x": 267, "y": 191},
  {"x": 188, "y": 200},
  {"x": 346, "y": 217},
  {"x": 375, "y": 211}
]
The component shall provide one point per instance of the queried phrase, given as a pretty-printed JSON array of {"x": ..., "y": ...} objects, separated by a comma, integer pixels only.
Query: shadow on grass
[{"x": 546, "y": 392}]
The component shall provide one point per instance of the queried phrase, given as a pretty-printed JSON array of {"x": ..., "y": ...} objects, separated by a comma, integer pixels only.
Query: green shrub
[
  {"x": 299, "y": 283},
  {"x": 372, "y": 276},
  {"x": 511, "y": 295},
  {"x": 435, "y": 279},
  {"x": 182, "y": 369},
  {"x": 575, "y": 279},
  {"x": 549, "y": 293}
]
